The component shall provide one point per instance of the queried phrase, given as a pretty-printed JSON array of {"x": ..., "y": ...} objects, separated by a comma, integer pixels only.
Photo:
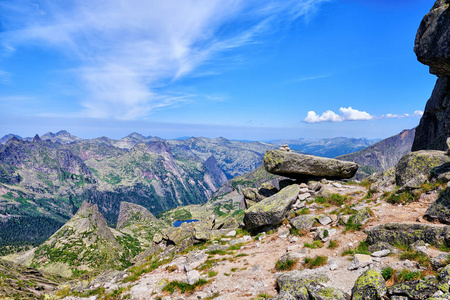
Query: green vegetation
[
  {"x": 212, "y": 273},
  {"x": 314, "y": 245},
  {"x": 287, "y": 265},
  {"x": 387, "y": 273},
  {"x": 182, "y": 214},
  {"x": 137, "y": 271},
  {"x": 417, "y": 256},
  {"x": 406, "y": 275},
  {"x": 363, "y": 248},
  {"x": 332, "y": 199},
  {"x": 351, "y": 225},
  {"x": 333, "y": 244},
  {"x": 317, "y": 261},
  {"x": 183, "y": 286}
]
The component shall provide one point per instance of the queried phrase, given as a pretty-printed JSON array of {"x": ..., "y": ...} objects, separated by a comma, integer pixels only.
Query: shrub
[
  {"x": 417, "y": 256},
  {"x": 387, "y": 273},
  {"x": 407, "y": 275},
  {"x": 288, "y": 264},
  {"x": 183, "y": 286},
  {"x": 314, "y": 245},
  {"x": 333, "y": 244},
  {"x": 317, "y": 261}
]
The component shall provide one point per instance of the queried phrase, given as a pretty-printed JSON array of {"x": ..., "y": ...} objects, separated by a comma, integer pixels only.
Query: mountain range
[{"x": 44, "y": 180}]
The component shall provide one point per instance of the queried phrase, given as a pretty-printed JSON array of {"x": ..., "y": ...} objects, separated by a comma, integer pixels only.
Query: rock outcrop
[
  {"x": 271, "y": 211},
  {"x": 300, "y": 166},
  {"x": 406, "y": 234},
  {"x": 414, "y": 168},
  {"x": 432, "y": 48},
  {"x": 440, "y": 209}
]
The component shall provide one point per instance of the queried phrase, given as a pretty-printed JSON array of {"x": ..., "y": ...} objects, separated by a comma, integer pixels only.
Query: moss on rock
[{"x": 369, "y": 286}]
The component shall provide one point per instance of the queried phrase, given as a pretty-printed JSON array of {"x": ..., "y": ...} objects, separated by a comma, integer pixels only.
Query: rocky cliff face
[{"x": 432, "y": 47}]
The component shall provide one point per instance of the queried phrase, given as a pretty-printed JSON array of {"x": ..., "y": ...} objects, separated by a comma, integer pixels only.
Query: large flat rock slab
[
  {"x": 272, "y": 210},
  {"x": 300, "y": 166}
]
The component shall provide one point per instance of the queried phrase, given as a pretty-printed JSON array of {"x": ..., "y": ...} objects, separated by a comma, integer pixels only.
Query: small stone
[
  {"x": 324, "y": 220},
  {"x": 336, "y": 185},
  {"x": 381, "y": 253},
  {"x": 304, "y": 196},
  {"x": 192, "y": 277},
  {"x": 231, "y": 233}
]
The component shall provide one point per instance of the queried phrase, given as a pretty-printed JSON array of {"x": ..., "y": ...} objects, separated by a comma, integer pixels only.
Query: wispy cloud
[
  {"x": 129, "y": 52},
  {"x": 5, "y": 77},
  {"x": 308, "y": 78},
  {"x": 350, "y": 114}
]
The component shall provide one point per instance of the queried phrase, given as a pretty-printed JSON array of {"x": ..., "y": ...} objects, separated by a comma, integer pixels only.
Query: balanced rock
[
  {"x": 300, "y": 166},
  {"x": 272, "y": 210}
]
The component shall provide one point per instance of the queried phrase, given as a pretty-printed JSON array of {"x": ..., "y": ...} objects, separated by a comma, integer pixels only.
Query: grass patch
[
  {"x": 333, "y": 244},
  {"x": 212, "y": 273},
  {"x": 352, "y": 226},
  {"x": 406, "y": 275},
  {"x": 317, "y": 261},
  {"x": 297, "y": 232},
  {"x": 136, "y": 272},
  {"x": 417, "y": 256},
  {"x": 208, "y": 264},
  {"x": 314, "y": 245},
  {"x": 183, "y": 286},
  {"x": 387, "y": 273},
  {"x": 403, "y": 198},
  {"x": 287, "y": 265}
]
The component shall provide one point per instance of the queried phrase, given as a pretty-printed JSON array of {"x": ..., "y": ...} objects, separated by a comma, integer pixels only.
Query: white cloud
[
  {"x": 350, "y": 114},
  {"x": 418, "y": 113},
  {"x": 347, "y": 114},
  {"x": 128, "y": 53}
]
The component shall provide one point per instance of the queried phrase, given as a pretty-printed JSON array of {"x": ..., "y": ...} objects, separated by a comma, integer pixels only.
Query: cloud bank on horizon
[
  {"x": 128, "y": 53},
  {"x": 350, "y": 114}
]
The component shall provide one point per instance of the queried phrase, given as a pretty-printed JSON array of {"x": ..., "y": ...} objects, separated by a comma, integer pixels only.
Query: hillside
[{"x": 382, "y": 155}]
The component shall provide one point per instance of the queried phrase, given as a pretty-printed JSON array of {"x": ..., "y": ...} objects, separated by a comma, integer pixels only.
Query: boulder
[
  {"x": 414, "y": 290},
  {"x": 414, "y": 168},
  {"x": 303, "y": 222},
  {"x": 317, "y": 292},
  {"x": 407, "y": 234},
  {"x": 296, "y": 283},
  {"x": 272, "y": 210},
  {"x": 360, "y": 261},
  {"x": 440, "y": 209},
  {"x": 369, "y": 286},
  {"x": 361, "y": 217},
  {"x": 440, "y": 261},
  {"x": 380, "y": 246},
  {"x": 383, "y": 181},
  {"x": 300, "y": 166},
  {"x": 251, "y": 196}
]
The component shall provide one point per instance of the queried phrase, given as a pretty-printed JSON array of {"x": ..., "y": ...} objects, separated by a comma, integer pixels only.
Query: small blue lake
[{"x": 178, "y": 223}]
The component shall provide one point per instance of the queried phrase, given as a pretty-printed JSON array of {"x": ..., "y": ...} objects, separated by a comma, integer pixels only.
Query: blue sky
[{"x": 254, "y": 70}]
